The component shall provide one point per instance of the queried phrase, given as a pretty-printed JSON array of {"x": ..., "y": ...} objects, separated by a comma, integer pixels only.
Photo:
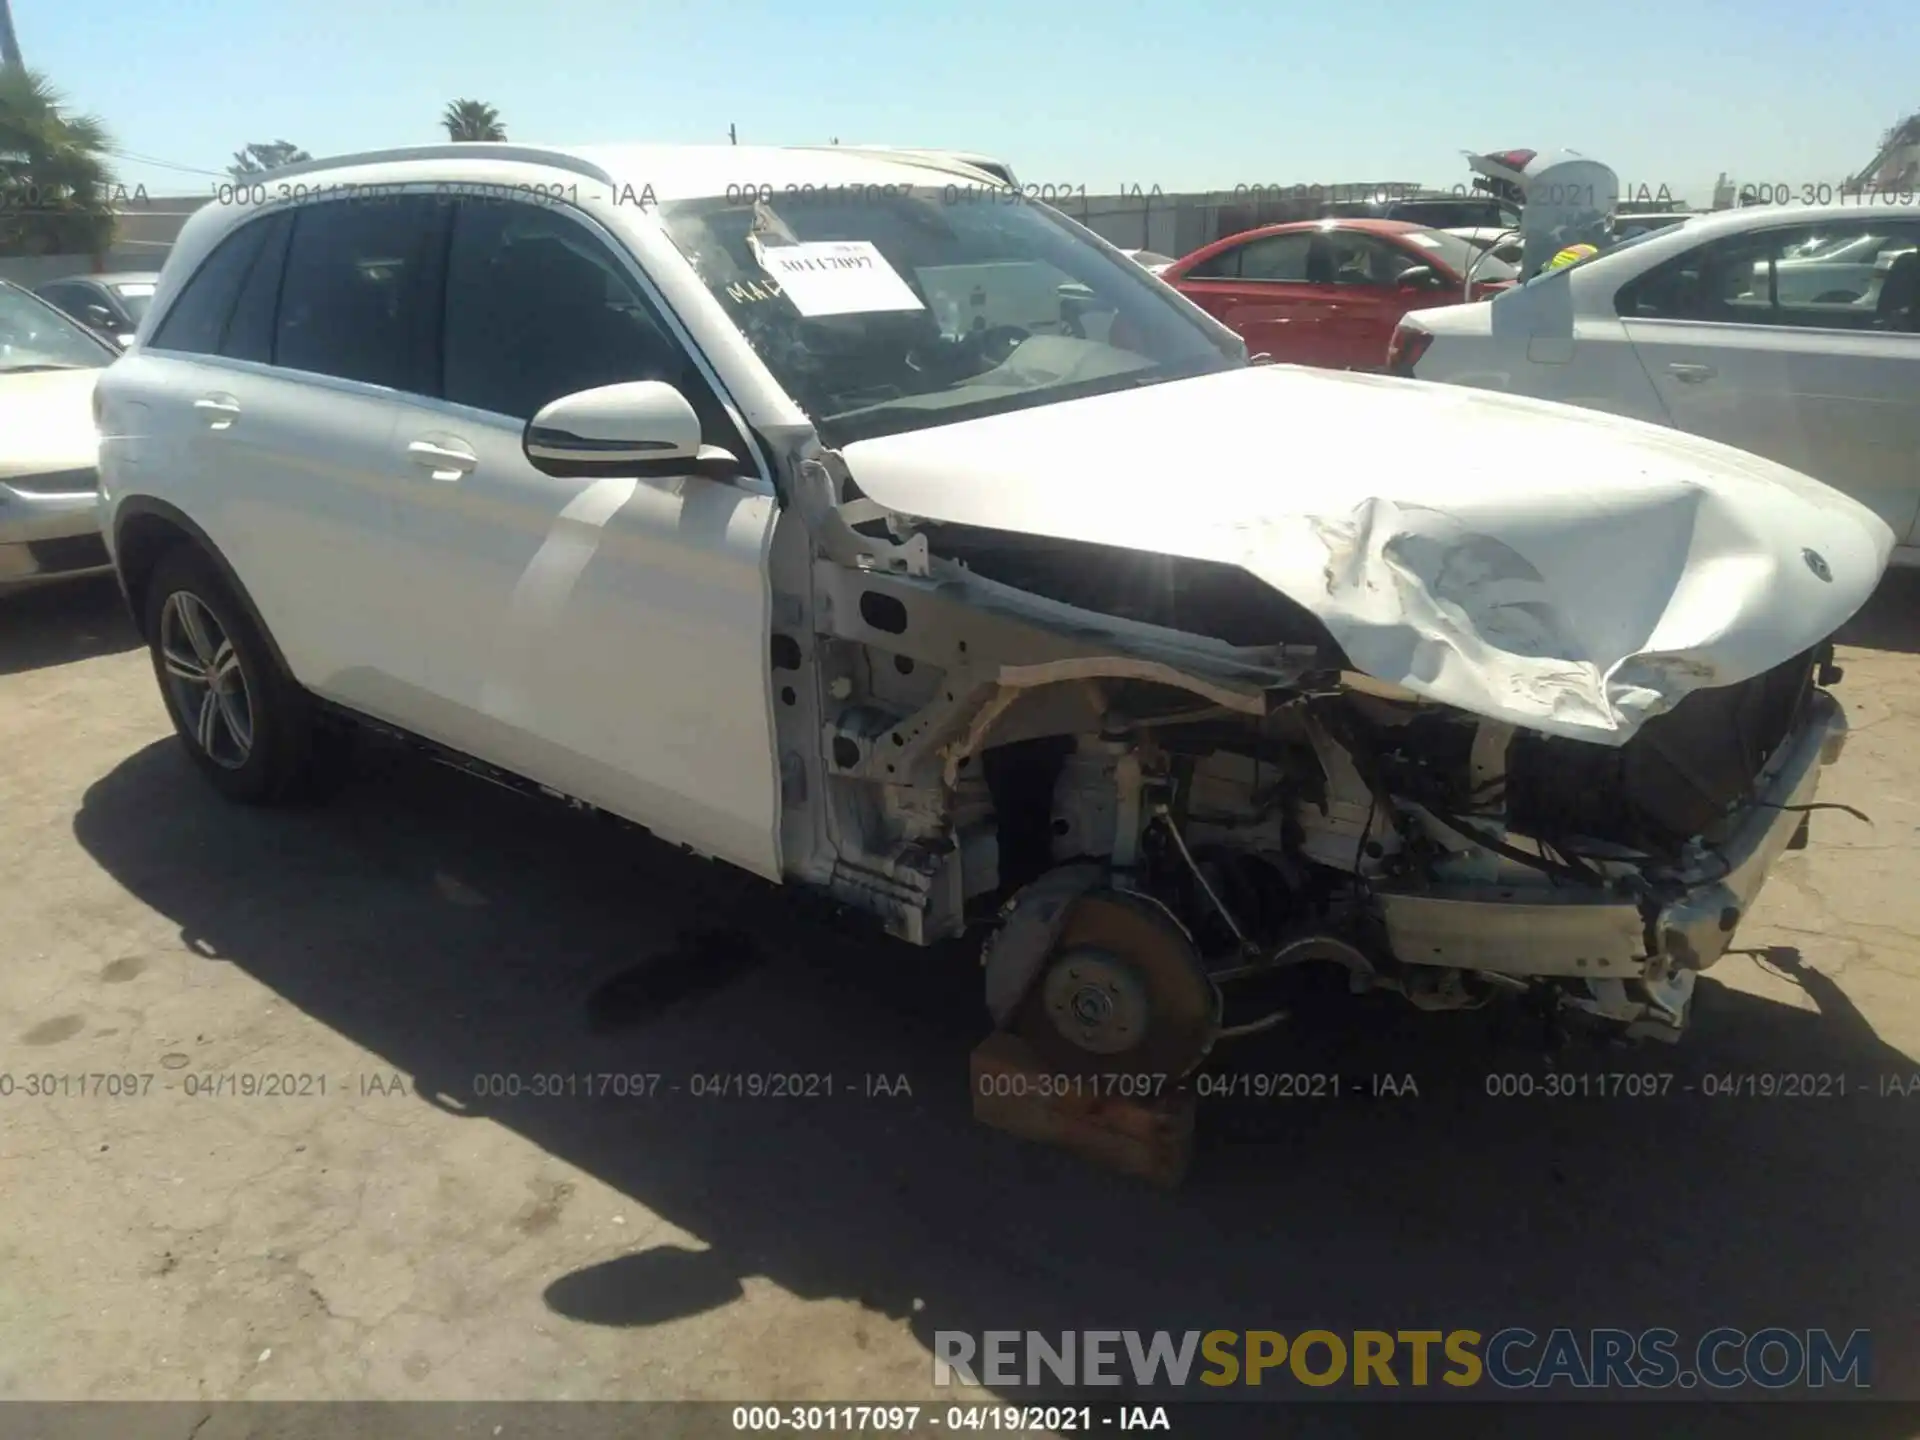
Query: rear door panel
[
  {"x": 1827, "y": 388},
  {"x": 1837, "y": 405}
]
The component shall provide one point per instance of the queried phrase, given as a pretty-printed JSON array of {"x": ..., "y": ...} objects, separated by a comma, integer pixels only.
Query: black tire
[{"x": 260, "y": 743}]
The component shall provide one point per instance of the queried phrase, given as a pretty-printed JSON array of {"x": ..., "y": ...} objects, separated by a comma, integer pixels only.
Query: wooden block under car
[{"x": 1014, "y": 1090}]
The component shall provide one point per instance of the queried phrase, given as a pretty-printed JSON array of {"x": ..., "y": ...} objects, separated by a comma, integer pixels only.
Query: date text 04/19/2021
[
  {"x": 931, "y": 1420},
  {"x": 697, "y": 1085}
]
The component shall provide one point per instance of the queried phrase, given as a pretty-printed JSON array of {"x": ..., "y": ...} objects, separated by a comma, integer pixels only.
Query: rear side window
[
  {"x": 1276, "y": 257},
  {"x": 357, "y": 301},
  {"x": 1224, "y": 265},
  {"x": 249, "y": 332},
  {"x": 198, "y": 318},
  {"x": 1851, "y": 277}
]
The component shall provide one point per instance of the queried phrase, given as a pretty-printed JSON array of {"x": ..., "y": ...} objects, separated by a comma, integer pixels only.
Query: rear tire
[{"x": 244, "y": 722}]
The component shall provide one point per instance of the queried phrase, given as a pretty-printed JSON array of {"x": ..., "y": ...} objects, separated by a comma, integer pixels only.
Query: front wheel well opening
[
  {"x": 138, "y": 545},
  {"x": 1020, "y": 778}
]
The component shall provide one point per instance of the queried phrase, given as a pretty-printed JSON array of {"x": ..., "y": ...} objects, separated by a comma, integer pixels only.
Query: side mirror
[
  {"x": 641, "y": 427},
  {"x": 1417, "y": 277}
]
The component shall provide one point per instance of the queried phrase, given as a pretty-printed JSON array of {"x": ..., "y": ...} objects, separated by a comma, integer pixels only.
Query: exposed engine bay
[{"x": 1145, "y": 779}]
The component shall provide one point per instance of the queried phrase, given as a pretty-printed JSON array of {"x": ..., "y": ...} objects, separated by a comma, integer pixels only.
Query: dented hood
[{"x": 1565, "y": 570}]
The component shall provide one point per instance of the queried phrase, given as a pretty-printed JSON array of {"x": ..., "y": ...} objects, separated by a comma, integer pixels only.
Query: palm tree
[
  {"x": 53, "y": 170},
  {"x": 473, "y": 120},
  {"x": 9, "y": 42},
  {"x": 265, "y": 155}
]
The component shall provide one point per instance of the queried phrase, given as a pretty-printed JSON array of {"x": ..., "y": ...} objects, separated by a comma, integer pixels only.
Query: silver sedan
[{"x": 49, "y": 446}]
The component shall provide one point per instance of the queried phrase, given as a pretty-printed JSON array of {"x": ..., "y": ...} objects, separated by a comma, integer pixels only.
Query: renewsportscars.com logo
[{"x": 1510, "y": 1359}]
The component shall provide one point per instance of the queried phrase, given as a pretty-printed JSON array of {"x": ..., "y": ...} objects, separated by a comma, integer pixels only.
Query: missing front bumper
[{"x": 1601, "y": 938}]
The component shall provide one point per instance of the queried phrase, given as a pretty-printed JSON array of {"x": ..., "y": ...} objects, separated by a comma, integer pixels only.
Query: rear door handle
[
  {"x": 1691, "y": 374},
  {"x": 217, "y": 410},
  {"x": 442, "y": 462}
]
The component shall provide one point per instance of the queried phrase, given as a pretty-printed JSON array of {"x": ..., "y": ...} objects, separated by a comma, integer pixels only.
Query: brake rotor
[{"x": 1123, "y": 990}]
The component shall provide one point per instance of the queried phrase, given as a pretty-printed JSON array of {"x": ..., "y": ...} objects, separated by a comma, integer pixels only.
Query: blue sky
[{"x": 1071, "y": 92}]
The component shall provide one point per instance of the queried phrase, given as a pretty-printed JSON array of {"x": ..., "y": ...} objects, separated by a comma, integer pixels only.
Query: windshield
[
  {"x": 1457, "y": 254},
  {"x": 893, "y": 308},
  {"x": 35, "y": 336},
  {"x": 135, "y": 296}
]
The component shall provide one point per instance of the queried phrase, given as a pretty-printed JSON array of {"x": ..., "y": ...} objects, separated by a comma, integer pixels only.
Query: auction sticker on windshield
[{"x": 837, "y": 277}]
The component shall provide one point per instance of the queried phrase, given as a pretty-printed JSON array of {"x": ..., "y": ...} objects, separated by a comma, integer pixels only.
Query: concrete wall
[
  {"x": 1170, "y": 224},
  {"x": 143, "y": 235}
]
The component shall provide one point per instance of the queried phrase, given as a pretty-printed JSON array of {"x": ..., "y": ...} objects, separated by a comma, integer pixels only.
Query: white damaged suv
[{"x": 850, "y": 519}]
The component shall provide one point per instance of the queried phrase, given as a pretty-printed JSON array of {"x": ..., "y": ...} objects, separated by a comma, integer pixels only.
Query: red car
[{"x": 1329, "y": 292}]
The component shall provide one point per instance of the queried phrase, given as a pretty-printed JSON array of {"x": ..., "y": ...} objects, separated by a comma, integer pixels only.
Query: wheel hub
[
  {"x": 1096, "y": 1000},
  {"x": 1122, "y": 990}
]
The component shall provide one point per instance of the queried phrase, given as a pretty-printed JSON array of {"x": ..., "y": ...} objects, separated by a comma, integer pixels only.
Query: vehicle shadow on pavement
[
  {"x": 456, "y": 930},
  {"x": 57, "y": 624},
  {"x": 1890, "y": 620}
]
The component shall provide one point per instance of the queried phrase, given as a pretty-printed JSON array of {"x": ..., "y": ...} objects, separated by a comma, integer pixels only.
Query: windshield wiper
[{"x": 24, "y": 369}]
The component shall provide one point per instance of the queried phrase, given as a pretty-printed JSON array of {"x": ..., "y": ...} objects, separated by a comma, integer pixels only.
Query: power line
[{"x": 140, "y": 159}]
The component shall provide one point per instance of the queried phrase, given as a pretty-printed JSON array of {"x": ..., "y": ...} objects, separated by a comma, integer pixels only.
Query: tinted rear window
[
  {"x": 198, "y": 318},
  {"x": 249, "y": 333},
  {"x": 355, "y": 302}
]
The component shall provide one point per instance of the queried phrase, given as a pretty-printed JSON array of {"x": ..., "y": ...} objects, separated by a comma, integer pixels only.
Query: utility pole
[
  {"x": 733, "y": 135},
  {"x": 9, "y": 41}
]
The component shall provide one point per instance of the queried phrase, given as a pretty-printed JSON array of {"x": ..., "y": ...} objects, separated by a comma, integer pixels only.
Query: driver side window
[
  {"x": 537, "y": 307},
  {"x": 1358, "y": 259}
]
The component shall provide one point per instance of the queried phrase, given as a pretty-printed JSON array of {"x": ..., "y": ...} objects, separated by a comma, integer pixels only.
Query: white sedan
[
  {"x": 1505, "y": 243},
  {"x": 1708, "y": 328}
]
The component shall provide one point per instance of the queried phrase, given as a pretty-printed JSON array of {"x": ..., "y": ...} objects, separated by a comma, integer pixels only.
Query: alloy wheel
[{"x": 206, "y": 685}]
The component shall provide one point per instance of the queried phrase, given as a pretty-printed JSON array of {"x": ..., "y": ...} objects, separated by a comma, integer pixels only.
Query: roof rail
[{"x": 453, "y": 150}]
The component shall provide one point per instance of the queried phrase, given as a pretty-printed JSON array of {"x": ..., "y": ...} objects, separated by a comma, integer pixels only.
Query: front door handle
[
  {"x": 442, "y": 462},
  {"x": 1691, "y": 374},
  {"x": 219, "y": 411}
]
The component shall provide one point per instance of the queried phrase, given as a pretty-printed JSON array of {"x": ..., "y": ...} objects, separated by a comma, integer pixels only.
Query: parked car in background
[
  {"x": 49, "y": 446},
  {"x": 1437, "y": 211},
  {"x": 1329, "y": 292},
  {"x": 1737, "y": 327},
  {"x": 1504, "y": 241},
  {"x": 112, "y": 304},
  {"x": 1068, "y": 628},
  {"x": 1847, "y": 266}
]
